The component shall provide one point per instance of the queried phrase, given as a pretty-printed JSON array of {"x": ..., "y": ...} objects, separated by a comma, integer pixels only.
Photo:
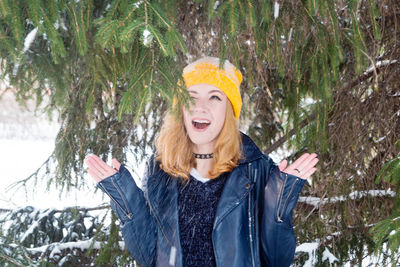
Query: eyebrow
[
  {"x": 210, "y": 92},
  {"x": 215, "y": 91}
]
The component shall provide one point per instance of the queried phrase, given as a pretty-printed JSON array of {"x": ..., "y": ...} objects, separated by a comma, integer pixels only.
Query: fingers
[
  {"x": 308, "y": 162},
  {"x": 93, "y": 164},
  {"x": 305, "y": 161},
  {"x": 101, "y": 165},
  {"x": 94, "y": 175},
  {"x": 98, "y": 169},
  {"x": 312, "y": 163},
  {"x": 299, "y": 161},
  {"x": 308, "y": 173},
  {"x": 283, "y": 164},
  {"x": 303, "y": 167}
]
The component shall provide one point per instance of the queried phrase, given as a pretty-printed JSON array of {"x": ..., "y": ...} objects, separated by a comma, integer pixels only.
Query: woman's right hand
[{"x": 99, "y": 170}]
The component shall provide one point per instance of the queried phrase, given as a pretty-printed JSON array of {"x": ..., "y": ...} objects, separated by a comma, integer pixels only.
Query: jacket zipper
[
  {"x": 123, "y": 199},
  {"x": 280, "y": 200},
  {"x": 162, "y": 231},
  {"x": 129, "y": 215},
  {"x": 250, "y": 223},
  {"x": 288, "y": 197}
]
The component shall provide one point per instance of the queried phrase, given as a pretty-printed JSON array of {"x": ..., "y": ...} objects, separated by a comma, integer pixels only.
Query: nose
[{"x": 200, "y": 105}]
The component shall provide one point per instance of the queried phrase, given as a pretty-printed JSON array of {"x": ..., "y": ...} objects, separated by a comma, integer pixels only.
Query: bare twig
[
  {"x": 24, "y": 181},
  {"x": 67, "y": 209}
]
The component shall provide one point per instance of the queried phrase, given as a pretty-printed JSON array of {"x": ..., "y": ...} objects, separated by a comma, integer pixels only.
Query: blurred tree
[{"x": 320, "y": 76}]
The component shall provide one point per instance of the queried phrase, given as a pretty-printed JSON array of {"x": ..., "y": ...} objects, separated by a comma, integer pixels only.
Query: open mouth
[{"x": 200, "y": 124}]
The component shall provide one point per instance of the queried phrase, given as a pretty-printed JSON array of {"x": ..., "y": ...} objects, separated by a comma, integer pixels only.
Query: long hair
[{"x": 174, "y": 147}]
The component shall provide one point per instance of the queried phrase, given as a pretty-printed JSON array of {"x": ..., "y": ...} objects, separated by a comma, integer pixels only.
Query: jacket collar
[
  {"x": 250, "y": 151},
  {"x": 162, "y": 191},
  {"x": 162, "y": 196}
]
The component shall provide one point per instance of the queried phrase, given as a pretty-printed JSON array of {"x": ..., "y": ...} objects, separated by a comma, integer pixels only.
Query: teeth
[{"x": 201, "y": 121}]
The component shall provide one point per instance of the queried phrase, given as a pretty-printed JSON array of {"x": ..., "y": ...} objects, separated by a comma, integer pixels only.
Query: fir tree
[{"x": 320, "y": 76}]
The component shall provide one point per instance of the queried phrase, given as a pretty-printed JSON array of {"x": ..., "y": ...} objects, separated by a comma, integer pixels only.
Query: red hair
[{"x": 174, "y": 147}]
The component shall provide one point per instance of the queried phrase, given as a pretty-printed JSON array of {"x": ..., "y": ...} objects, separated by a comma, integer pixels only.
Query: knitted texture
[
  {"x": 206, "y": 70},
  {"x": 197, "y": 204}
]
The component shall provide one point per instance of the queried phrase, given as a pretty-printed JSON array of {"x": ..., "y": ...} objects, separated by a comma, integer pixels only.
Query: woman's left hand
[{"x": 303, "y": 167}]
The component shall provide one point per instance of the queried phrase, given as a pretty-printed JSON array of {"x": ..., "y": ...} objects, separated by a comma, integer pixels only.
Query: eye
[{"x": 215, "y": 97}]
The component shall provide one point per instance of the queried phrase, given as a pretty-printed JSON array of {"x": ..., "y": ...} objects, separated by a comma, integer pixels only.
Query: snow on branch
[
  {"x": 35, "y": 223},
  {"x": 311, "y": 250},
  {"x": 58, "y": 247},
  {"x": 379, "y": 64},
  {"x": 66, "y": 209},
  {"x": 276, "y": 10},
  {"x": 29, "y": 39},
  {"x": 317, "y": 202}
]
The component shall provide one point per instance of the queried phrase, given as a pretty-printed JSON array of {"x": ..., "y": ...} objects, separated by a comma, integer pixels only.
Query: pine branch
[
  {"x": 34, "y": 174},
  {"x": 356, "y": 195},
  {"x": 80, "y": 244},
  {"x": 361, "y": 78},
  {"x": 292, "y": 132},
  {"x": 11, "y": 260},
  {"x": 5, "y": 210},
  {"x": 67, "y": 209}
]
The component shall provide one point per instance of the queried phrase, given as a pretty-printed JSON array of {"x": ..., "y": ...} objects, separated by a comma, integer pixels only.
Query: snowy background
[{"x": 27, "y": 140}]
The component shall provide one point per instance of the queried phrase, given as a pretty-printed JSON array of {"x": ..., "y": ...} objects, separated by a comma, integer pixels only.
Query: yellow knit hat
[{"x": 206, "y": 70}]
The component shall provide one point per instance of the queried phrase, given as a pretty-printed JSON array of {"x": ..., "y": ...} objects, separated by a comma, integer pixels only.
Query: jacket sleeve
[
  {"x": 137, "y": 225},
  {"x": 281, "y": 193}
]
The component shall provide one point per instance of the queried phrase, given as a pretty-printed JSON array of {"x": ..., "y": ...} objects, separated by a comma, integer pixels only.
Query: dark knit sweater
[{"x": 197, "y": 204}]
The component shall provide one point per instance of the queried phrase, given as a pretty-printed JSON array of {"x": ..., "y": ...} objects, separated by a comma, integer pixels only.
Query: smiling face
[{"x": 205, "y": 116}]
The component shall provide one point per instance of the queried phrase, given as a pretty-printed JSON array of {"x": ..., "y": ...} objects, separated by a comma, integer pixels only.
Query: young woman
[{"x": 211, "y": 197}]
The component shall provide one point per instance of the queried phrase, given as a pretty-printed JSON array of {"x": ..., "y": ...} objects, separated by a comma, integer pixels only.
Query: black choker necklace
[{"x": 203, "y": 156}]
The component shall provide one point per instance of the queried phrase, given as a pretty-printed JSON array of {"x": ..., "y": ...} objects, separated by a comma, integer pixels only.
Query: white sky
[
  {"x": 19, "y": 159},
  {"x": 26, "y": 141}
]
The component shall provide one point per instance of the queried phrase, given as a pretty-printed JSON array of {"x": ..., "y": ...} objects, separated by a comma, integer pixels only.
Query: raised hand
[
  {"x": 99, "y": 170},
  {"x": 303, "y": 167}
]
